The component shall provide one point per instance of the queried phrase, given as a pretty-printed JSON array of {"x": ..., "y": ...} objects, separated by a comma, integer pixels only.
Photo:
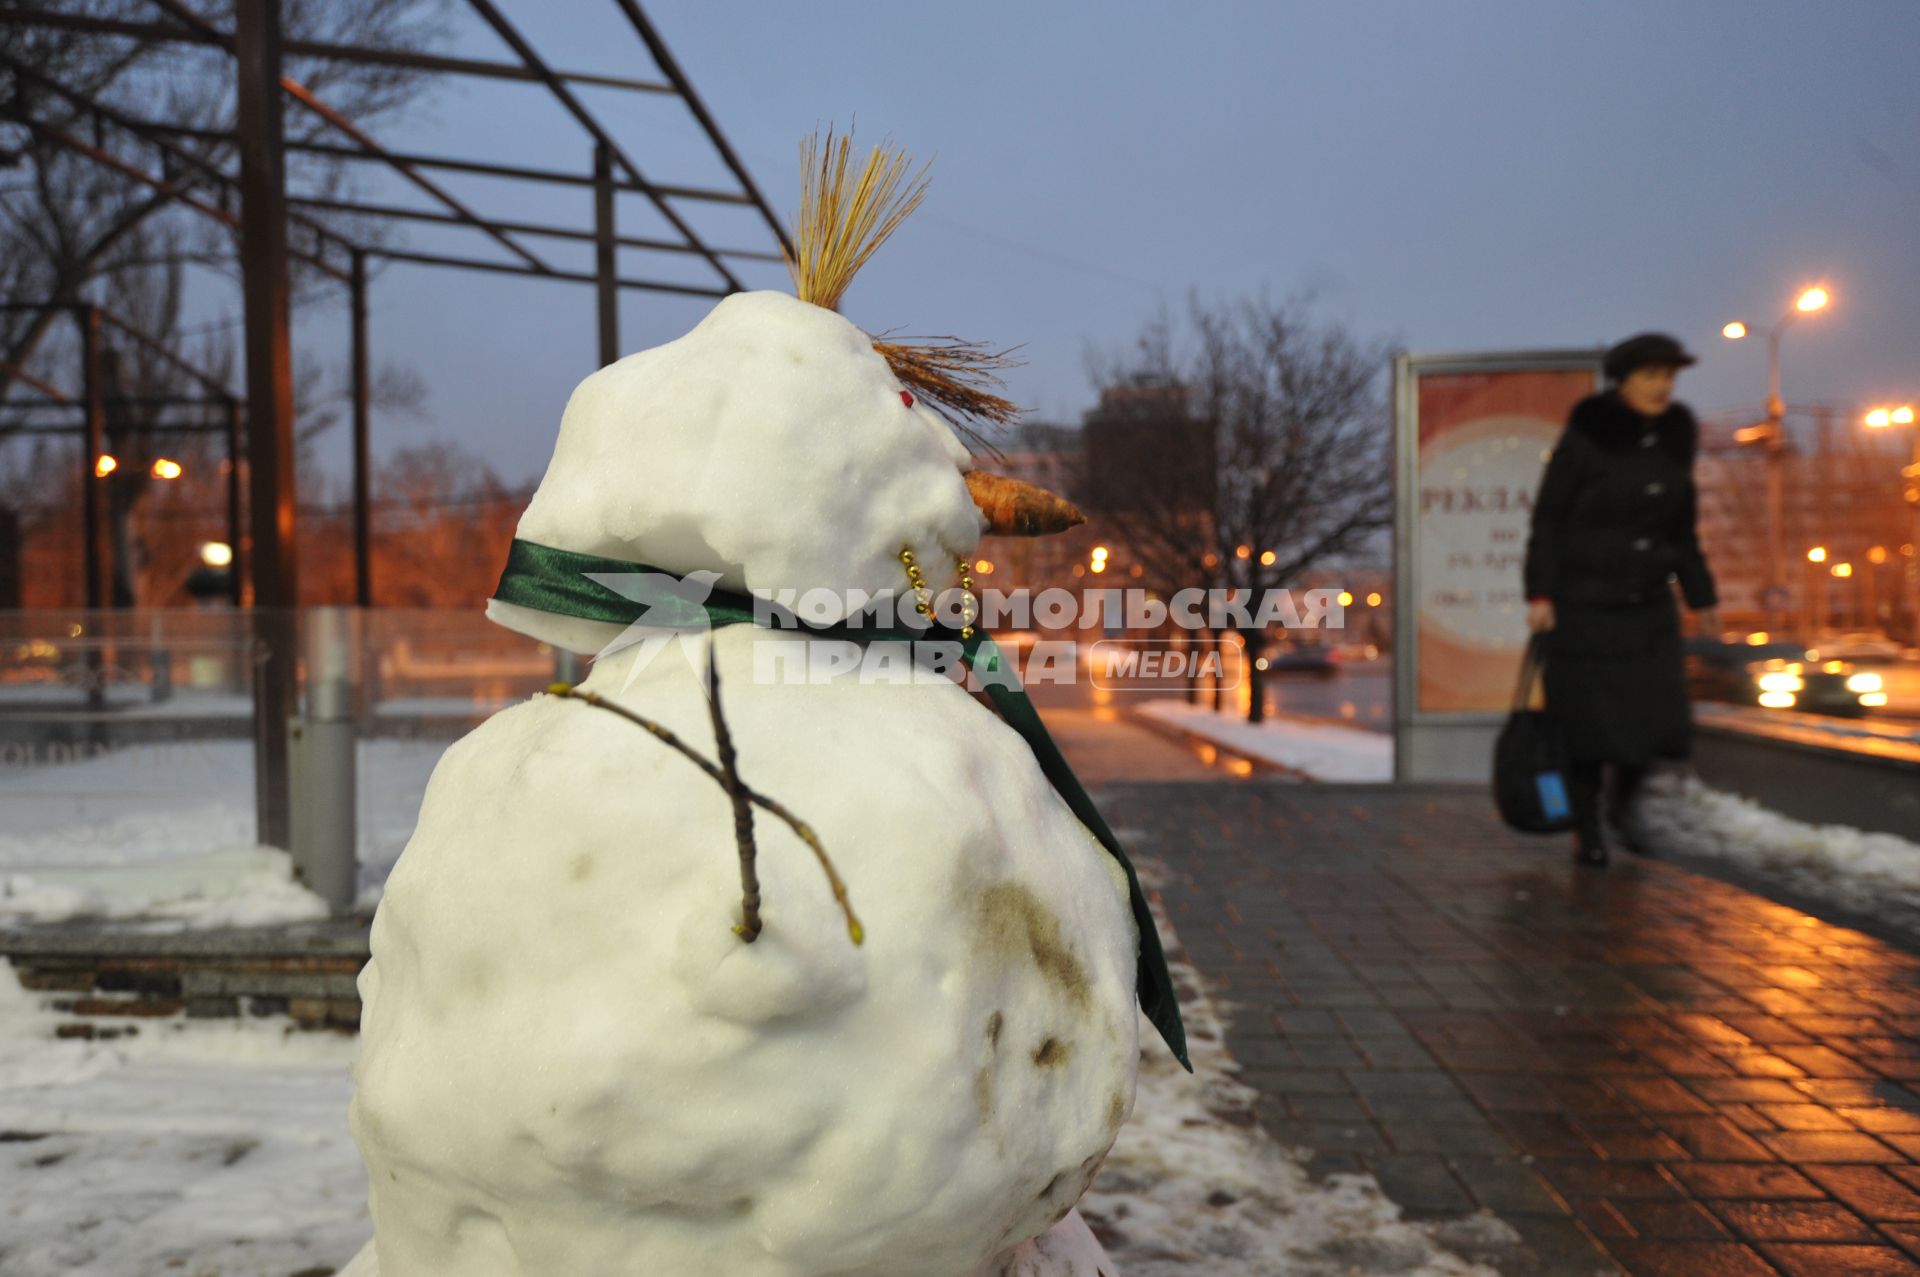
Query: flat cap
[{"x": 1646, "y": 350}]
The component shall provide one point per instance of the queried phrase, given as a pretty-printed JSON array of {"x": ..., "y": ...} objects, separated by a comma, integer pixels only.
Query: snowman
[{"x": 821, "y": 973}]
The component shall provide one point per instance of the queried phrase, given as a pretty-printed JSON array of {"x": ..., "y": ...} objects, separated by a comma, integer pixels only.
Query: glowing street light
[
  {"x": 1879, "y": 418},
  {"x": 1373, "y": 599},
  {"x": 1842, "y": 569},
  {"x": 1734, "y": 331},
  {"x": 1242, "y": 551},
  {"x": 1266, "y": 558},
  {"x": 165, "y": 469},
  {"x": 1818, "y": 554},
  {"x": 105, "y": 465},
  {"x": 1903, "y": 415},
  {"x": 1812, "y": 299},
  {"x": 216, "y": 554},
  {"x": 1346, "y": 598}
]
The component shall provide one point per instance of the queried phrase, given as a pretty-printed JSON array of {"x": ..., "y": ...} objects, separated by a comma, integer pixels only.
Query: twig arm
[{"x": 802, "y": 830}]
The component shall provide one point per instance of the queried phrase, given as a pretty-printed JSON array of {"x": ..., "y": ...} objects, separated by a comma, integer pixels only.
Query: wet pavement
[{"x": 1640, "y": 1065}]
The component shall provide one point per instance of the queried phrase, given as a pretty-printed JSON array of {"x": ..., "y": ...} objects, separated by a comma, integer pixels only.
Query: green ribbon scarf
[{"x": 563, "y": 582}]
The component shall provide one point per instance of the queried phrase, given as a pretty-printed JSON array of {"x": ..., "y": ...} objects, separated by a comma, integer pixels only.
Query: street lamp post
[
  {"x": 1814, "y": 584},
  {"x": 1774, "y": 440}
]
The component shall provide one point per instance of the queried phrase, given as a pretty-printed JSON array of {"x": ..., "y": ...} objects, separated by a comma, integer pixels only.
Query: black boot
[
  {"x": 1621, "y": 819},
  {"x": 1589, "y": 842},
  {"x": 1590, "y": 848}
]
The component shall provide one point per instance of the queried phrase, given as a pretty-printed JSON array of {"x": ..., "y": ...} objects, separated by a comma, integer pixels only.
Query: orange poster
[{"x": 1483, "y": 441}]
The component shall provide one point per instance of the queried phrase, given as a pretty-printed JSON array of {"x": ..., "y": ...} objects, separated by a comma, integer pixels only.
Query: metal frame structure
[{"x": 257, "y": 47}]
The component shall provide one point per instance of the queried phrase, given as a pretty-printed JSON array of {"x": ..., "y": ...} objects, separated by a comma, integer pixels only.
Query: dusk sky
[{"x": 1448, "y": 176}]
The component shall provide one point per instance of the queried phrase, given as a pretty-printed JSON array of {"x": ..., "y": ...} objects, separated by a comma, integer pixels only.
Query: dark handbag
[{"x": 1530, "y": 758}]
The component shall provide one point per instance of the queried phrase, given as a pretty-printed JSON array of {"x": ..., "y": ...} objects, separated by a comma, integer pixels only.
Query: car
[
  {"x": 1780, "y": 676},
  {"x": 1859, "y": 648},
  {"x": 1312, "y": 660}
]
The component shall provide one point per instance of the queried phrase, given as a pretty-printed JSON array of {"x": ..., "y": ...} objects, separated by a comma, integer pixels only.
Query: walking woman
[{"x": 1613, "y": 528}]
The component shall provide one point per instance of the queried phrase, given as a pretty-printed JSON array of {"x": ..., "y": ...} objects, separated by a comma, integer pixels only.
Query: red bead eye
[{"x": 906, "y": 397}]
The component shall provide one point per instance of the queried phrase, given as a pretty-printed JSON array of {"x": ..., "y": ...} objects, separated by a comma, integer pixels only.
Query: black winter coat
[
  {"x": 1614, "y": 520},
  {"x": 1613, "y": 527}
]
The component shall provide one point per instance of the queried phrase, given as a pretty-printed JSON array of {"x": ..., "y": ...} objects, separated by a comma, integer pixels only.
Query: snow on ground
[
  {"x": 235, "y": 886},
  {"x": 1871, "y": 873},
  {"x": 1321, "y": 751},
  {"x": 220, "y": 1149},
  {"x": 210, "y": 1148},
  {"x": 164, "y": 832}
]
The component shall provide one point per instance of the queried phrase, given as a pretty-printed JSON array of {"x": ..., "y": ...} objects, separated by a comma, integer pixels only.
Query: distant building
[{"x": 1842, "y": 495}]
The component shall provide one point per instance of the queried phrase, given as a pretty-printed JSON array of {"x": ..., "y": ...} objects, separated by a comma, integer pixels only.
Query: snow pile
[
  {"x": 211, "y": 1148},
  {"x": 231, "y": 887},
  {"x": 1319, "y": 751},
  {"x": 162, "y": 836},
  {"x": 1873, "y": 873},
  {"x": 571, "y": 1064},
  {"x": 770, "y": 445}
]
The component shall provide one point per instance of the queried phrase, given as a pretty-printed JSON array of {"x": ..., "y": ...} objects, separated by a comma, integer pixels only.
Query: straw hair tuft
[
  {"x": 844, "y": 218},
  {"x": 958, "y": 379}
]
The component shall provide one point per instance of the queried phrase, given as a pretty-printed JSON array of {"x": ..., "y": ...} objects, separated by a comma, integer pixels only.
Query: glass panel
[
  {"x": 127, "y": 750},
  {"x": 430, "y": 677},
  {"x": 126, "y": 762}
]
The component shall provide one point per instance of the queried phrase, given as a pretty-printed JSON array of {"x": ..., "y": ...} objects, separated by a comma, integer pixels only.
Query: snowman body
[{"x": 572, "y": 1064}]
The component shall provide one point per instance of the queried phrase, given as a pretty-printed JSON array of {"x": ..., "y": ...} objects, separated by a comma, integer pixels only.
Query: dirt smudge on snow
[{"x": 1015, "y": 925}]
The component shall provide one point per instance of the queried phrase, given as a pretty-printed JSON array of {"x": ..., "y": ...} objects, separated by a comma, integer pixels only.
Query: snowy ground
[
  {"x": 220, "y": 1149},
  {"x": 1321, "y": 751},
  {"x": 1874, "y": 874},
  {"x": 210, "y": 1148},
  {"x": 165, "y": 833}
]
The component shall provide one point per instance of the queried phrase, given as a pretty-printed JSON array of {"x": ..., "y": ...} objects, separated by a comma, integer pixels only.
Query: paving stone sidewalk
[{"x": 1640, "y": 1065}]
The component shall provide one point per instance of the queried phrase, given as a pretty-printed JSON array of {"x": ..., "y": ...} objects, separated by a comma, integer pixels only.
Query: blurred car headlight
[
  {"x": 1872, "y": 699},
  {"x": 1863, "y": 683},
  {"x": 1777, "y": 700},
  {"x": 1780, "y": 682}
]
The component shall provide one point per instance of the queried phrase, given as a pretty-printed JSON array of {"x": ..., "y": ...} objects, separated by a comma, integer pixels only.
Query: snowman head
[{"x": 779, "y": 447}]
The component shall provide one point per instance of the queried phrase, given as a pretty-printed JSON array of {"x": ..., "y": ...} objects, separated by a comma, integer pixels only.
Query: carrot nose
[{"x": 1017, "y": 508}]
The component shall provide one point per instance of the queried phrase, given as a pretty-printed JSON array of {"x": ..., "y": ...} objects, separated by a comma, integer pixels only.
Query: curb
[{"x": 1196, "y": 741}]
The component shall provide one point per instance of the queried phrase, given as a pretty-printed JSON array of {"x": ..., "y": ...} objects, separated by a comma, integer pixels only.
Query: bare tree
[
  {"x": 68, "y": 218},
  {"x": 1243, "y": 451},
  {"x": 76, "y": 224}
]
